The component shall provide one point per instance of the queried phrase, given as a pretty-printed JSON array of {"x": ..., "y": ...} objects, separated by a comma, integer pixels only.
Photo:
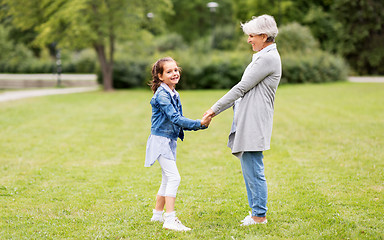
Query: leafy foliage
[
  {"x": 12, "y": 53},
  {"x": 167, "y": 42},
  {"x": 302, "y": 59},
  {"x": 246, "y": 9},
  {"x": 193, "y": 19},
  {"x": 294, "y": 37},
  {"x": 84, "y": 23},
  {"x": 363, "y": 34},
  {"x": 325, "y": 28},
  {"x": 317, "y": 67},
  {"x": 350, "y": 29},
  {"x": 131, "y": 73}
]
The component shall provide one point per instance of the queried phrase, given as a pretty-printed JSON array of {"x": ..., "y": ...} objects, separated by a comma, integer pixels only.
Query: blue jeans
[{"x": 255, "y": 182}]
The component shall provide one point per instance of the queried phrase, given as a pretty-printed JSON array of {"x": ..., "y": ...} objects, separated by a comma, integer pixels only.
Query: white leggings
[{"x": 171, "y": 177}]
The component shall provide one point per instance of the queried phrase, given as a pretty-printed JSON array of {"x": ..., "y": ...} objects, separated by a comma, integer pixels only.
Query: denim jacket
[{"x": 167, "y": 116}]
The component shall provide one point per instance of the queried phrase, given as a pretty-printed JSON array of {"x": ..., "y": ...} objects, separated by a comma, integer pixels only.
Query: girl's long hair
[{"x": 158, "y": 68}]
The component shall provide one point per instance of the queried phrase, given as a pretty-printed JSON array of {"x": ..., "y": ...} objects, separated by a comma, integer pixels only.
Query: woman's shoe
[
  {"x": 248, "y": 220},
  {"x": 247, "y": 217}
]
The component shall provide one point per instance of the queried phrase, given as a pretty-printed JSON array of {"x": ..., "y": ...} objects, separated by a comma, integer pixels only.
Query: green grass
[{"x": 71, "y": 167}]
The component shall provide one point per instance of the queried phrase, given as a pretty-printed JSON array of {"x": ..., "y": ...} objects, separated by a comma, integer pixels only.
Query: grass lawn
[{"x": 71, "y": 167}]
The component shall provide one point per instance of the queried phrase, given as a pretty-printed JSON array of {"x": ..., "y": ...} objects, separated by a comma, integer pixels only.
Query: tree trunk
[{"x": 106, "y": 67}]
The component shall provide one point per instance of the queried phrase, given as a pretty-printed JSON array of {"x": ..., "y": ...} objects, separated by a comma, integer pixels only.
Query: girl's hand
[{"x": 206, "y": 120}]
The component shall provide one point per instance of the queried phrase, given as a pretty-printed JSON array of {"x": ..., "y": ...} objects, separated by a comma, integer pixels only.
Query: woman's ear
[
  {"x": 160, "y": 76},
  {"x": 265, "y": 37}
]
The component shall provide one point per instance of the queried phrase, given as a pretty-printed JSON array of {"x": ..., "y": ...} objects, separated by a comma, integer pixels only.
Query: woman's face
[
  {"x": 257, "y": 41},
  {"x": 171, "y": 74}
]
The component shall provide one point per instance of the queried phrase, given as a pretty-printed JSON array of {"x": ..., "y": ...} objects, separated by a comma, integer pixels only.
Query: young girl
[{"x": 168, "y": 124}]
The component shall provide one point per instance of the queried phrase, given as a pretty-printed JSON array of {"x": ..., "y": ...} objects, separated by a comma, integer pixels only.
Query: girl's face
[
  {"x": 170, "y": 75},
  {"x": 257, "y": 41}
]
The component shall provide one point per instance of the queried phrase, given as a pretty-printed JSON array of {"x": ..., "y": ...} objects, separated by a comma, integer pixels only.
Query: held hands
[
  {"x": 207, "y": 117},
  {"x": 206, "y": 121}
]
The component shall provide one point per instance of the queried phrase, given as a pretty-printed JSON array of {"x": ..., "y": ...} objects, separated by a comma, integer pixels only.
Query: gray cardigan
[{"x": 253, "y": 100}]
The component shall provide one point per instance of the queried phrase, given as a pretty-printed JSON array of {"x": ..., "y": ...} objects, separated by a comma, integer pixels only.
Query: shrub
[
  {"x": 82, "y": 62},
  {"x": 217, "y": 71},
  {"x": 303, "y": 61},
  {"x": 129, "y": 73},
  {"x": 315, "y": 68},
  {"x": 294, "y": 37},
  {"x": 170, "y": 41},
  {"x": 225, "y": 37},
  {"x": 28, "y": 66}
]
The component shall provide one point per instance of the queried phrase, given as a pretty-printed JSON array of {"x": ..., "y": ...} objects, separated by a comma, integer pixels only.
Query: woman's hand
[{"x": 209, "y": 113}]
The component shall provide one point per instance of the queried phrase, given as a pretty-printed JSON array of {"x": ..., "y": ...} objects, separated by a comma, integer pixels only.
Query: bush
[
  {"x": 217, "y": 71},
  {"x": 222, "y": 70},
  {"x": 82, "y": 62},
  {"x": 28, "y": 66},
  {"x": 198, "y": 71},
  {"x": 315, "y": 68},
  {"x": 129, "y": 73},
  {"x": 225, "y": 37},
  {"x": 294, "y": 37},
  {"x": 171, "y": 41},
  {"x": 302, "y": 59}
]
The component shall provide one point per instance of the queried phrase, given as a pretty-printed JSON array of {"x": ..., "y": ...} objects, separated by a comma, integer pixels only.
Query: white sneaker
[
  {"x": 248, "y": 220},
  {"x": 247, "y": 217},
  {"x": 175, "y": 224}
]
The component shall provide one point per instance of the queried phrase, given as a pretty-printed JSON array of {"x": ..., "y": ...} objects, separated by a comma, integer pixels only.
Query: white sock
[
  {"x": 155, "y": 212},
  {"x": 170, "y": 216}
]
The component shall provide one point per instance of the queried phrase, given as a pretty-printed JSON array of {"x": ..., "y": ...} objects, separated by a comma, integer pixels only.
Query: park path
[
  {"x": 15, "y": 95},
  {"x": 366, "y": 79}
]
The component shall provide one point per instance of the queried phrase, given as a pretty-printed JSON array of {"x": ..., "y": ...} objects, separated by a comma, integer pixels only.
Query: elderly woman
[{"x": 253, "y": 102}]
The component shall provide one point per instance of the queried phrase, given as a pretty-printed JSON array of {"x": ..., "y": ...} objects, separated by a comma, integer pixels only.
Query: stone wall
[{"x": 12, "y": 81}]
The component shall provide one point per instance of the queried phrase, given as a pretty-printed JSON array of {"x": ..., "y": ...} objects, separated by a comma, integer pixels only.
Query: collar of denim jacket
[{"x": 173, "y": 93}]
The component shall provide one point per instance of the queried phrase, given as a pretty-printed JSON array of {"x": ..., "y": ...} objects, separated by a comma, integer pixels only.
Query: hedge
[
  {"x": 318, "y": 67},
  {"x": 220, "y": 71},
  {"x": 225, "y": 70}
]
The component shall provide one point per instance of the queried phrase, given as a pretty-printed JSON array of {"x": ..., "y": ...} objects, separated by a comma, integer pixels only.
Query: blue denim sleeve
[{"x": 174, "y": 116}]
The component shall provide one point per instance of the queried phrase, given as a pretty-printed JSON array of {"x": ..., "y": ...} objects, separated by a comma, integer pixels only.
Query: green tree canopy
[
  {"x": 193, "y": 19},
  {"x": 85, "y": 23},
  {"x": 12, "y": 52},
  {"x": 362, "y": 34}
]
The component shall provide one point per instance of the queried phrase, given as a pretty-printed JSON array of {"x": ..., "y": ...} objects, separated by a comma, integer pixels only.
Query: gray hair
[{"x": 264, "y": 24}]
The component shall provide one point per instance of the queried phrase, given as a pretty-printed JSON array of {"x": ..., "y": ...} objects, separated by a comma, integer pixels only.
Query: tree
[
  {"x": 12, "y": 52},
  {"x": 279, "y": 9},
  {"x": 193, "y": 19},
  {"x": 362, "y": 33},
  {"x": 85, "y": 23}
]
